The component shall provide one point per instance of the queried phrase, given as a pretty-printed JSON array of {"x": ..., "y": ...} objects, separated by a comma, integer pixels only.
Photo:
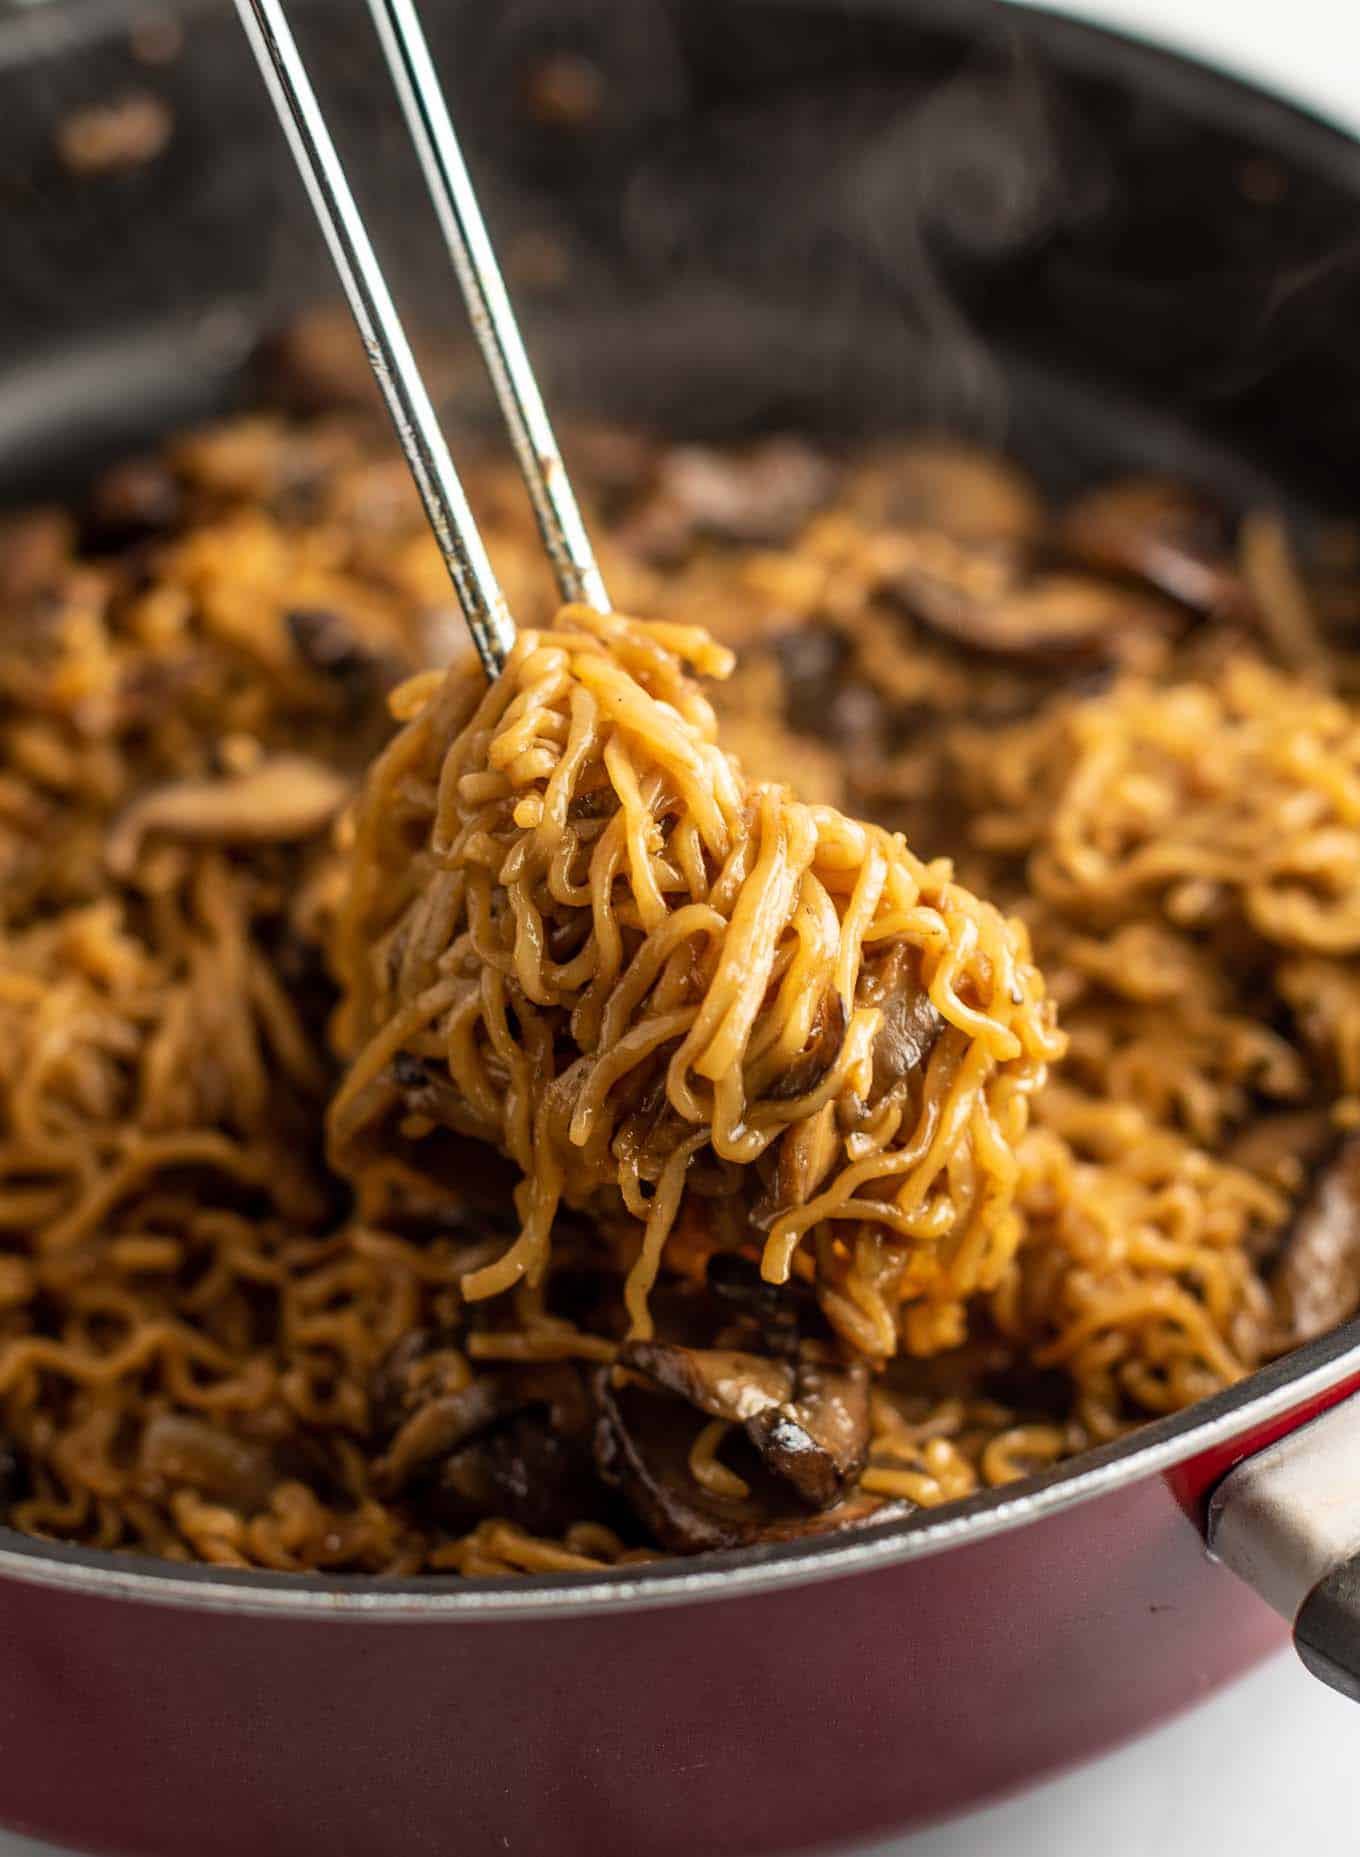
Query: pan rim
[{"x": 1266, "y": 1395}]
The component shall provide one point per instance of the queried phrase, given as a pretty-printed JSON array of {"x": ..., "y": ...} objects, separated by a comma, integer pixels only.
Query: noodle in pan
[{"x": 523, "y": 1135}]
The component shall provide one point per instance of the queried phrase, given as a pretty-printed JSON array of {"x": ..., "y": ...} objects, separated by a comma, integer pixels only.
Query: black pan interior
[{"x": 851, "y": 215}]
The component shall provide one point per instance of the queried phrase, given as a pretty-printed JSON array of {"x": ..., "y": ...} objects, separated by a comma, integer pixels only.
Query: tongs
[{"x": 558, "y": 514}]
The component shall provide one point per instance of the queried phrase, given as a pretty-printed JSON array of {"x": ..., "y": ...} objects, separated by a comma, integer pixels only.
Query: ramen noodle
[
  {"x": 692, "y": 1177},
  {"x": 577, "y": 932}
]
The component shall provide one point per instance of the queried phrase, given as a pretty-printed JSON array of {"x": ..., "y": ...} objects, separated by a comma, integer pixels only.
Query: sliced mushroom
[
  {"x": 179, "y": 1451},
  {"x": 522, "y": 1469},
  {"x": 803, "y": 1157},
  {"x": 642, "y": 1446},
  {"x": 723, "y": 1382},
  {"x": 421, "y": 1204},
  {"x": 1159, "y": 533},
  {"x": 909, "y": 1023},
  {"x": 1059, "y": 616},
  {"x": 283, "y": 800},
  {"x": 806, "y": 1151},
  {"x": 318, "y": 364},
  {"x": 358, "y": 671},
  {"x": 425, "y": 1367},
  {"x": 856, "y": 719},
  {"x": 957, "y": 489},
  {"x": 510, "y": 1445},
  {"x": 808, "y": 1422},
  {"x": 601, "y": 802},
  {"x": 1316, "y": 1280},
  {"x": 812, "y": 1064},
  {"x": 819, "y": 1441},
  {"x": 435, "y": 1429},
  {"x": 1282, "y": 602},
  {"x": 762, "y": 496}
]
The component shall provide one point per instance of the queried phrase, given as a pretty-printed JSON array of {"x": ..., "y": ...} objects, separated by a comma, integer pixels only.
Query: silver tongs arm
[
  {"x": 474, "y": 580},
  {"x": 493, "y": 321}
]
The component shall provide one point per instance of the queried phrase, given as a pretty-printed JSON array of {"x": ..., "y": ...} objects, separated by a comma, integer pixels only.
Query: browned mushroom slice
[
  {"x": 809, "y": 1423},
  {"x": 820, "y": 1440},
  {"x": 424, "y": 1365},
  {"x": 812, "y": 1065},
  {"x": 1160, "y": 533},
  {"x": 723, "y": 1382},
  {"x": 435, "y": 1429},
  {"x": 952, "y": 488},
  {"x": 1316, "y": 1281},
  {"x": 909, "y": 1024},
  {"x": 763, "y": 495},
  {"x": 179, "y": 1451},
  {"x": 521, "y": 1469},
  {"x": 423, "y": 1403},
  {"x": 284, "y": 799},
  {"x": 813, "y": 659},
  {"x": 805, "y": 1153},
  {"x": 1053, "y": 616},
  {"x": 803, "y": 1156},
  {"x": 318, "y": 364},
  {"x": 1281, "y": 600},
  {"x": 514, "y": 1446},
  {"x": 642, "y": 1446}
]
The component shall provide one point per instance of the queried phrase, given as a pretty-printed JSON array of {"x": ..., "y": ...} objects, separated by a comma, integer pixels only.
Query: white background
[{"x": 1271, "y": 1768}]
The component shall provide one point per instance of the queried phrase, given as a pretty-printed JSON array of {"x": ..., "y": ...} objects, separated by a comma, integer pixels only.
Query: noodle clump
[{"x": 578, "y": 932}]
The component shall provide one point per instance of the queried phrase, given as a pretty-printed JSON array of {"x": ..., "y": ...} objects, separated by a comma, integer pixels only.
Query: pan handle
[{"x": 1288, "y": 1522}]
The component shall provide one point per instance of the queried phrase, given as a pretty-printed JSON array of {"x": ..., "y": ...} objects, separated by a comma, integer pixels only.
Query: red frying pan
[{"x": 837, "y": 216}]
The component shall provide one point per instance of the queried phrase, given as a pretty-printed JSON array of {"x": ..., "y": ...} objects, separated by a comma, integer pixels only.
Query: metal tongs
[{"x": 394, "y": 366}]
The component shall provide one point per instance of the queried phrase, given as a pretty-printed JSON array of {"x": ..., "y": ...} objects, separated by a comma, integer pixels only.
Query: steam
[
  {"x": 845, "y": 220},
  {"x": 766, "y": 214}
]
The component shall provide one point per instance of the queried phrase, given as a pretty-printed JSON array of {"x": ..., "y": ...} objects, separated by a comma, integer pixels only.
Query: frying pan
[{"x": 849, "y": 217}]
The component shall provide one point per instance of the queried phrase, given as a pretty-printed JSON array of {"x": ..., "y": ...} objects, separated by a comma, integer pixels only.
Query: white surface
[{"x": 1271, "y": 1768}]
